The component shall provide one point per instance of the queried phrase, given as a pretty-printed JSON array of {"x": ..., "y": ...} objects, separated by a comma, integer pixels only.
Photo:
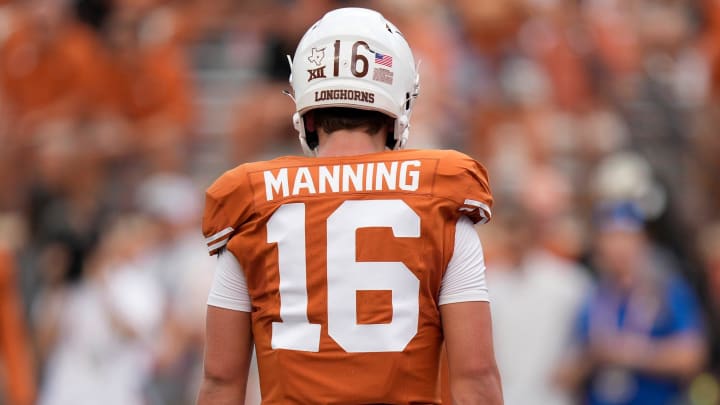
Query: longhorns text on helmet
[{"x": 354, "y": 58}]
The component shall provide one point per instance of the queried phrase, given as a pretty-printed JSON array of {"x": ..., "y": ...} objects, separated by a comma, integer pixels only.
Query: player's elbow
[
  {"x": 477, "y": 385},
  {"x": 219, "y": 375},
  {"x": 220, "y": 387}
]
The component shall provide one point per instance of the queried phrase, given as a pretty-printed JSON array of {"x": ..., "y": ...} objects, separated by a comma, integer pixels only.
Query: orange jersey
[
  {"x": 15, "y": 356},
  {"x": 344, "y": 258}
]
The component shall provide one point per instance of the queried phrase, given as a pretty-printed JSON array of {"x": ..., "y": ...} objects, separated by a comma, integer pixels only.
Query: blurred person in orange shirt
[
  {"x": 48, "y": 73},
  {"x": 263, "y": 104},
  {"x": 48, "y": 62},
  {"x": 146, "y": 77},
  {"x": 710, "y": 42},
  {"x": 431, "y": 30},
  {"x": 710, "y": 253},
  {"x": 17, "y": 379}
]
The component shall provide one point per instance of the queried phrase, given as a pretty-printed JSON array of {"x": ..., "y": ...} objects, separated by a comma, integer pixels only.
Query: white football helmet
[{"x": 354, "y": 57}]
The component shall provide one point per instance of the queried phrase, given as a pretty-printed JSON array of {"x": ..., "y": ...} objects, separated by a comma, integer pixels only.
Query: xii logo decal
[{"x": 316, "y": 73}]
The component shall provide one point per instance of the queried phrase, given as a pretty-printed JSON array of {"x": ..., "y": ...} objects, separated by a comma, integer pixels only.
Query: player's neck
[{"x": 350, "y": 142}]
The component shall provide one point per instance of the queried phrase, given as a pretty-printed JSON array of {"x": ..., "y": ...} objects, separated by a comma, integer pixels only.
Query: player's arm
[
  {"x": 227, "y": 357},
  {"x": 474, "y": 376},
  {"x": 228, "y": 343},
  {"x": 467, "y": 324}
]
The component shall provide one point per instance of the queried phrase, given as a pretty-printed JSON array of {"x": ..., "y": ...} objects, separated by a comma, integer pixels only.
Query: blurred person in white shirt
[
  {"x": 173, "y": 203},
  {"x": 537, "y": 288},
  {"x": 98, "y": 333}
]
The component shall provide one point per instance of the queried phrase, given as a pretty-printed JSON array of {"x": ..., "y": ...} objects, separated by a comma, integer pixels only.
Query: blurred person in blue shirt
[{"x": 639, "y": 336}]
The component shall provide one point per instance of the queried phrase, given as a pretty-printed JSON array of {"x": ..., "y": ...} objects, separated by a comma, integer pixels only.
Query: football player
[{"x": 349, "y": 268}]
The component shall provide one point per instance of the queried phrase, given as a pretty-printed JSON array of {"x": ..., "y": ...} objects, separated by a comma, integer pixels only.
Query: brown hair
[
  {"x": 335, "y": 119},
  {"x": 338, "y": 118}
]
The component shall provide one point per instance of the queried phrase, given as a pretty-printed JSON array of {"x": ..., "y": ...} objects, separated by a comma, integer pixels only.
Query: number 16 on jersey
[{"x": 345, "y": 277}]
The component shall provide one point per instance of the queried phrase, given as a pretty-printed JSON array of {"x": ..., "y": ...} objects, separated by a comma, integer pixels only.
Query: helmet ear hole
[
  {"x": 312, "y": 139},
  {"x": 390, "y": 141},
  {"x": 311, "y": 135},
  {"x": 407, "y": 101},
  {"x": 307, "y": 141}
]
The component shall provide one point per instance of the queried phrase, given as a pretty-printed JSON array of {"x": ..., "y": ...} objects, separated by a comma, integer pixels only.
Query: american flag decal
[{"x": 385, "y": 60}]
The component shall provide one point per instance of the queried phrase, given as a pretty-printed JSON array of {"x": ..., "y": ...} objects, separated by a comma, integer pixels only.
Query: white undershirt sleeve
[
  {"x": 229, "y": 288},
  {"x": 464, "y": 278}
]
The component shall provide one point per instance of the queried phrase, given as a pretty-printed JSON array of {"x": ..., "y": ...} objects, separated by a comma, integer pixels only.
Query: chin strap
[
  {"x": 402, "y": 132},
  {"x": 402, "y": 126}
]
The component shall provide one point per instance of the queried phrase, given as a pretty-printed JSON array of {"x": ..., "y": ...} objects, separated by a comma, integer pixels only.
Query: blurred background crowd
[{"x": 598, "y": 120}]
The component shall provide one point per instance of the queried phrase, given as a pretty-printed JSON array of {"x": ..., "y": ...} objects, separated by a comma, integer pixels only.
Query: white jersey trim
[
  {"x": 484, "y": 210},
  {"x": 215, "y": 246},
  {"x": 463, "y": 281},
  {"x": 212, "y": 238},
  {"x": 219, "y": 239}
]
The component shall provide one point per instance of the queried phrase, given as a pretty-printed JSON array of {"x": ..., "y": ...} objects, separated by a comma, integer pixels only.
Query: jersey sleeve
[
  {"x": 228, "y": 204},
  {"x": 465, "y": 181}
]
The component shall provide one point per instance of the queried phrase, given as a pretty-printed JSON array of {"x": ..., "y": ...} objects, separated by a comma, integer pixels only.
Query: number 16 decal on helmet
[{"x": 372, "y": 69}]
